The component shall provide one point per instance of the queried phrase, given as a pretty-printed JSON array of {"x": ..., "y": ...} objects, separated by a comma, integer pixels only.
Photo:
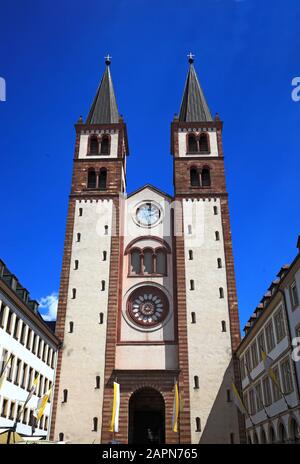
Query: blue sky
[{"x": 247, "y": 53}]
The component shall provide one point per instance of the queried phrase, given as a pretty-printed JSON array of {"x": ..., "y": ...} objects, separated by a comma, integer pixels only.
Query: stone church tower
[{"x": 147, "y": 295}]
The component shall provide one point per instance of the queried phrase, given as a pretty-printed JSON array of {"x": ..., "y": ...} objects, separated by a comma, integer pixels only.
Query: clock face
[{"x": 148, "y": 214}]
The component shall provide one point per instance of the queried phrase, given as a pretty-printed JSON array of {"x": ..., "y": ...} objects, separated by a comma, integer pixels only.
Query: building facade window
[
  {"x": 198, "y": 424},
  {"x": 102, "y": 179},
  {"x": 252, "y": 405},
  {"x": 93, "y": 145},
  {"x": 261, "y": 344},
  {"x": 275, "y": 386},
  {"x": 194, "y": 177},
  {"x": 92, "y": 179},
  {"x": 196, "y": 382},
  {"x": 254, "y": 354},
  {"x": 205, "y": 177},
  {"x": 279, "y": 325},
  {"x": 267, "y": 391},
  {"x": 223, "y": 325},
  {"x": 258, "y": 395},
  {"x": 286, "y": 375},
  {"x": 148, "y": 262},
  {"x": 217, "y": 235},
  {"x": 193, "y": 316},
  {"x": 294, "y": 295},
  {"x": 270, "y": 336}
]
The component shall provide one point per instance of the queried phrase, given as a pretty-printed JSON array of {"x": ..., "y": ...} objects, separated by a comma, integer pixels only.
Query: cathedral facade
[{"x": 147, "y": 295}]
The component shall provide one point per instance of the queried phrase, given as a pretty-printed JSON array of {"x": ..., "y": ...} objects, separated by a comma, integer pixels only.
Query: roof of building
[
  {"x": 21, "y": 294},
  {"x": 104, "y": 109},
  {"x": 194, "y": 107},
  {"x": 268, "y": 296}
]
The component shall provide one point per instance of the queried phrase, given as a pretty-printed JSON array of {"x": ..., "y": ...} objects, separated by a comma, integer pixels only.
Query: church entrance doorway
[{"x": 146, "y": 417}]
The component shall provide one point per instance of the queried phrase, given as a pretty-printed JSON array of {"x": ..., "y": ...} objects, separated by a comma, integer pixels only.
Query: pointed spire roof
[
  {"x": 104, "y": 109},
  {"x": 193, "y": 105}
]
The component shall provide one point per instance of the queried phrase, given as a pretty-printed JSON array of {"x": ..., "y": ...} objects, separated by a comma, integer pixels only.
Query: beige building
[
  {"x": 147, "y": 294},
  {"x": 274, "y": 326},
  {"x": 31, "y": 343}
]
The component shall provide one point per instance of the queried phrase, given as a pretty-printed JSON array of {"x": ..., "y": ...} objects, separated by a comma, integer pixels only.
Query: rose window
[{"x": 148, "y": 306}]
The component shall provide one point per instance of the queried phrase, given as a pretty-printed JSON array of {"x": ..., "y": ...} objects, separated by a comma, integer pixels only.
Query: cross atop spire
[
  {"x": 191, "y": 57},
  {"x": 108, "y": 59}
]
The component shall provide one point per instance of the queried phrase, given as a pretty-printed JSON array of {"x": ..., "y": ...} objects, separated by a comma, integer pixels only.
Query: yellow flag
[
  {"x": 41, "y": 405},
  {"x": 238, "y": 400},
  {"x": 175, "y": 408},
  {"x": 268, "y": 369},
  {"x": 114, "y": 425}
]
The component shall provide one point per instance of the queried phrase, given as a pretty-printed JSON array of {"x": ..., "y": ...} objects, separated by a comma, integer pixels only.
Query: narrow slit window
[
  {"x": 193, "y": 315},
  {"x": 189, "y": 229},
  {"x": 196, "y": 382},
  {"x": 215, "y": 210},
  {"x": 80, "y": 211},
  {"x": 76, "y": 264},
  {"x": 102, "y": 285},
  {"x": 95, "y": 424},
  {"x": 105, "y": 230},
  {"x": 78, "y": 237},
  {"x": 223, "y": 324},
  {"x": 65, "y": 396},
  {"x": 217, "y": 235},
  {"x": 221, "y": 292},
  {"x": 61, "y": 437},
  {"x": 104, "y": 255},
  {"x": 198, "y": 424},
  {"x": 101, "y": 318},
  {"x": 191, "y": 255},
  {"x": 192, "y": 285},
  {"x": 219, "y": 261},
  {"x": 73, "y": 293},
  {"x": 97, "y": 382},
  {"x": 71, "y": 327}
]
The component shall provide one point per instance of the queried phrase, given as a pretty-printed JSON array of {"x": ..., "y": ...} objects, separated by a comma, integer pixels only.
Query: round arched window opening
[{"x": 147, "y": 306}]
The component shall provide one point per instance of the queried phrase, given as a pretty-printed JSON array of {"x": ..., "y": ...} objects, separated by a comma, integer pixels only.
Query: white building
[
  {"x": 275, "y": 417},
  {"x": 25, "y": 335}
]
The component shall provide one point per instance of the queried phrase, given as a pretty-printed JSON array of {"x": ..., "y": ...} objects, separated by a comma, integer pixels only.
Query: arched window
[
  {"x": 294, "y": 431},
  {"x": 102, "y": 179},
  {"x": 161, "y": 262},
  {"x": 65, "y": 396},
  {"x": 282, "y": 434},
  {"x": 196, "y": 381},
  {"x": 198, "y": 424},
  {"x": 205, "y": 178},
  {"x": 94, "y": 145},
  {"x": 104, "y": 146},
  {"x": 148, "y": 262},
  {"x": 92, "y": 179},
  {"x": 263, "y": 438},
  {"x": 192, "y": 144},
  {"x": 272, "y": 438},
  {"x": 255, "y": 438},
  {"x": 203, "y": 143},
  {"x": 135, "y": 262},
  {"x": 194, "y": 177}
]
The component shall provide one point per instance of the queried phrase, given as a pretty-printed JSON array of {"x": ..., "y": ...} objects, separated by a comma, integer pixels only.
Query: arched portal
[{"x": 146, "y": 417}]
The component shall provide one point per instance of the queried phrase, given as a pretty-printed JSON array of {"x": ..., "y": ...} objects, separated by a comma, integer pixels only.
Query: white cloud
[{"x": 48, "y": 306}]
